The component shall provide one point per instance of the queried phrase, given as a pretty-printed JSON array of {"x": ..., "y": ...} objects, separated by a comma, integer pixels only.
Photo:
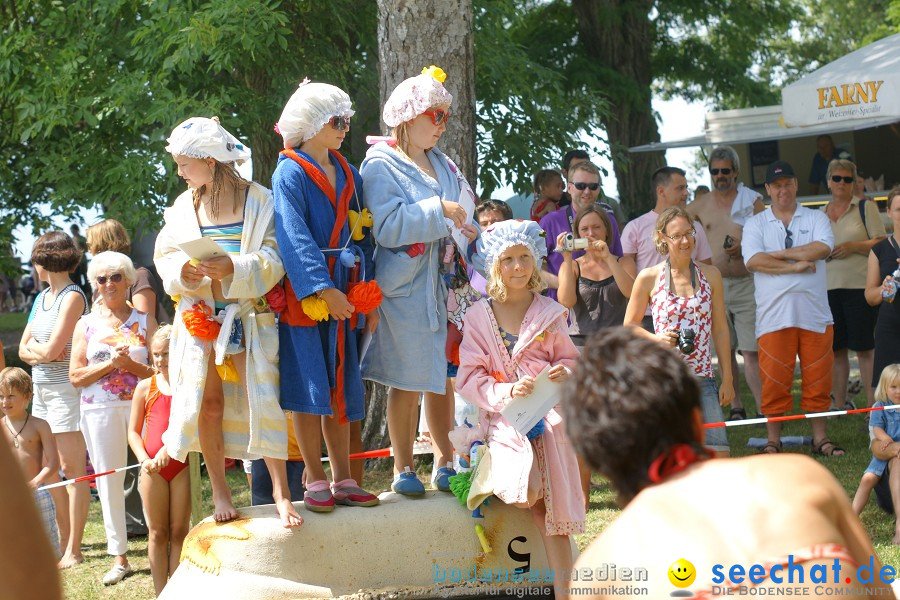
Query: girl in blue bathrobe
[
  {"x": 410, "y": 188},
  {"x": 315, "y": 189}
]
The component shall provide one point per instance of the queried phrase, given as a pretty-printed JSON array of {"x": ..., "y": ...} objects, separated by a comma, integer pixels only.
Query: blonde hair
[
  {"x": 842, "y": 165},
  {"x": 108, "y": 235},
  {"x": 667, "y": 216},
  {"x": 222, "y": 173},
  {"x": 14, "y": 379},
  {"x": 889, "y": 376},
  {"x": 496, "y": 289},
  {"x": 115, "y": 262},
  {"x": 164, "y": 332}
]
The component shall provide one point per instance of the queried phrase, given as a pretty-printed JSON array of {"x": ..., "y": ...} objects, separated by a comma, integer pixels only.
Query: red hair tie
[{"x": 675, "y": 460}]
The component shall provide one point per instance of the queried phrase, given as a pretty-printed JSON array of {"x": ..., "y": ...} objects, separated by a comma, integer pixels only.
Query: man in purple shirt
[{"x": 584, "y": 188}]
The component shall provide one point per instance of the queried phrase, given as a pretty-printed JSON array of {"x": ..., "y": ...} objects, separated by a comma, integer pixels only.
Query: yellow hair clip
[{"x": 436, "y": 72}]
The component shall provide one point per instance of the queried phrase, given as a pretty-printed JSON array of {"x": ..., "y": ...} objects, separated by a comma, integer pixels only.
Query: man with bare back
[{"x": 723, "y": 212}]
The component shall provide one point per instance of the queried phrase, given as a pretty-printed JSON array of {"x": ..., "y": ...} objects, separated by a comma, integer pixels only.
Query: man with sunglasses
[
  {"x": 584, "y": 188},
  {"x": 573, "y": 158},
  {"x": 670, "y": 186},
  {"x": 785, "y": 248},
  {"x": 723, "y": 213}
]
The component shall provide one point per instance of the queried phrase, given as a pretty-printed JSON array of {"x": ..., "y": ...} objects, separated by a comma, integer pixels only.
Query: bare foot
[
  {"x": 70, "y": 560},
  {"x": 224, "y": 510},
  {"x": 289, "y": 516},
  {"x": 896, "y": 540}
]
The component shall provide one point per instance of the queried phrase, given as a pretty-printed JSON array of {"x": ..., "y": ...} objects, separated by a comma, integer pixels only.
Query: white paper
[
  {"x": 203, "y": 249},
  {"x": 462, "y": 242},
  {"x": 524, "y": 412}
]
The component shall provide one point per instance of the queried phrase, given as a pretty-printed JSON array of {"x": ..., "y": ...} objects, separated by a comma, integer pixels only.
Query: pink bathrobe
[{"x": 486, "y": 377}]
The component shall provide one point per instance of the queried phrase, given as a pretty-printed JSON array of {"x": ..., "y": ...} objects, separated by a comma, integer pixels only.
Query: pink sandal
[
  {"x": 348, "y": 493},
  {"x": 318, "y": 497}
]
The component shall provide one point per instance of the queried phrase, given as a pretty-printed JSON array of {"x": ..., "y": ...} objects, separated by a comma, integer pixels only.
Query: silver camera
[{"x": 570, "y": 243}]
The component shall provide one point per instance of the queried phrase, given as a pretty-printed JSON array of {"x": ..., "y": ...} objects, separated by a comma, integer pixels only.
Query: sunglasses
[
  {"x": 581, "y": 186},
  {"x": 788, "y": 239},
  {"x": 114, "y": 278},
  {"x": 340, "y": 123},
  {"x": 838, "y": 179},
  {"x": 438, "y": 117},
  {"x": 715, "y": 172}
]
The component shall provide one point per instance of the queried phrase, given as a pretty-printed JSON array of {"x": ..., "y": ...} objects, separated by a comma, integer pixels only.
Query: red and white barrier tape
[
  {"x": 830, "y": 413},
  {"x": 50, "y": 486}
]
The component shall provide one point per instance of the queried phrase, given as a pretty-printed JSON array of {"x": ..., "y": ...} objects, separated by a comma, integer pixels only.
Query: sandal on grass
[
  {"x": 737, "y": 414},
  {"x": 827, "y": 448},
  {"x": 771, "y": 448}
]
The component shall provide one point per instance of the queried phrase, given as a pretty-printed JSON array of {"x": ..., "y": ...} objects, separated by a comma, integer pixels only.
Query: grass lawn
[
  {"x": 849, "y": 432},
  {"x": 13, "y": 321}
]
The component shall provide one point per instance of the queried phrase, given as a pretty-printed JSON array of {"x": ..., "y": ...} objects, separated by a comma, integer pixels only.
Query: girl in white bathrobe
[{"x": 224, "y": 381}]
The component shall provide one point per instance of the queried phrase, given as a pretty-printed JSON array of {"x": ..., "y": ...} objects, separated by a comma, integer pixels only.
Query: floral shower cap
[
  {"x": 200, "y": 137},
  {"x": 309, "y": 109},
  {"x": 506, "y": 234},
  {"x": 416, "y": 95}
]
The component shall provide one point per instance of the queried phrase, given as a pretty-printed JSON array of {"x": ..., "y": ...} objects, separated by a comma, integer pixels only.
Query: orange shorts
[{"x": 778, "y": 352}]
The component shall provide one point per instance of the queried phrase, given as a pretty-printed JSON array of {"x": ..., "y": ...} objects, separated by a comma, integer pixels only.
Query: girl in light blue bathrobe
[{"x": 410, "y": 187}]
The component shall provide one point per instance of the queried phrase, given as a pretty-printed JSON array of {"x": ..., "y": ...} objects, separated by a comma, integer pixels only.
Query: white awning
[
  {"x": 861, "y": 86},
  {"x": 758, "y": 124}
]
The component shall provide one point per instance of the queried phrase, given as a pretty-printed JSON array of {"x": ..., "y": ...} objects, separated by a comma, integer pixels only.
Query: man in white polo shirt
[
  {"x": 785, "y": 247},
  {"x": 670, "y": 188}
]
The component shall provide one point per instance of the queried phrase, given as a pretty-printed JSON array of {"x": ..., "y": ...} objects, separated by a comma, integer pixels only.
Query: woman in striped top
[{"x": 46, "y": 345}]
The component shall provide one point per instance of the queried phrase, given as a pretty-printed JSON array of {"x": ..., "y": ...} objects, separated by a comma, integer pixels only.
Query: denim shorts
[{"x": 712, "y": 413}]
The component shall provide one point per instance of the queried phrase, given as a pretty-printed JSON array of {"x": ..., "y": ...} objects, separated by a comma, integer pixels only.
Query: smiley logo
[{"x": 682, "y": 573}]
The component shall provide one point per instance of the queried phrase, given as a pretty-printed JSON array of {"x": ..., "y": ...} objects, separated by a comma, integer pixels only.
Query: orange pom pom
[
  {"x": 365, "y": 296},
  {"x": 199, "y": 322}
]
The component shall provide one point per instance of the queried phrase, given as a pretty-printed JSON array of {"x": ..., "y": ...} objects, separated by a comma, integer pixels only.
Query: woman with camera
[
  {"x": 686, "y": 301},
  {"x": 596, "y": 285}
]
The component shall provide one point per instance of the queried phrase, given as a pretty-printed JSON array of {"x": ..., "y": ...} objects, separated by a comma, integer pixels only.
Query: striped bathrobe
[{"x": 254, "y": 424}]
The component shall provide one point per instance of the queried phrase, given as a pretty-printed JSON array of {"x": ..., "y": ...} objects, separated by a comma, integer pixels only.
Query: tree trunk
[
  {"x": 375, "y": 431},
  {"x": 619, "y": 34},
  {"x": 413, "y": 34}
]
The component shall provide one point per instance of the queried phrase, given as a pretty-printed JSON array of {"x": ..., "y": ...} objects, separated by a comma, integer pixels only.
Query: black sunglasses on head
[
  {"x": 581, "y": 186},
  {"x": 715, "y": 172},
  {"x": 838, "y": 179}
]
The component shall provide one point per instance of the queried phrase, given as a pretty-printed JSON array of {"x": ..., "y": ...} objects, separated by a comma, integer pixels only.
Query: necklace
[{"x": 14, "y": 432}]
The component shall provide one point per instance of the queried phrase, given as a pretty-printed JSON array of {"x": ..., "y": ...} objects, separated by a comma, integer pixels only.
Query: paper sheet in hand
[
  {"x": 202, "y": 249},
  {"x": 523, "y": 412},
  {"x": 461, "y": 240}
]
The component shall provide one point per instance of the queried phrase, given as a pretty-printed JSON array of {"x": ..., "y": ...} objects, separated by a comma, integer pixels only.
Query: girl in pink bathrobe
[{"x": 508, "y": 340}]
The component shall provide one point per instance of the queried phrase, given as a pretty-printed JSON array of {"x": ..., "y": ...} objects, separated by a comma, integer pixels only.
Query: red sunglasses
[{"x": 438, "y": 117}]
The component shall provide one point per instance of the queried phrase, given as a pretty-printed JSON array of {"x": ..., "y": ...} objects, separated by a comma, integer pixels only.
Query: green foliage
[
  {"x": 532, "y": 106},
  {"x": 710, "y": 50},
  {"x": 823, "y": 31},
  {"x": 90, "y": 89}
]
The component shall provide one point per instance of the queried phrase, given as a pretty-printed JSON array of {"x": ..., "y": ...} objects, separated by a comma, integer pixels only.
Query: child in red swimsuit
[{"x": 164, "y": 484}]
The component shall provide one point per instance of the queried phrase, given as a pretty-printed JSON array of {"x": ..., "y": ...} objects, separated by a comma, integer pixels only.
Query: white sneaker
[{"x": 116, "y": 574}]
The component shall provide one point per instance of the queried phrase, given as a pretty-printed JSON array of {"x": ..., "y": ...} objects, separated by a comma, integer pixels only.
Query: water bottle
[{"x": 890, "y": 293}]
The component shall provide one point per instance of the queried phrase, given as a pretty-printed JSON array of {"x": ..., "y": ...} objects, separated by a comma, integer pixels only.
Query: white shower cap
[
  {"x": 200, "y": 137},
  {"x": 309, "y": 109},
  {"x": 416, "y": 95},
  {"x": 506, "y": 234}
]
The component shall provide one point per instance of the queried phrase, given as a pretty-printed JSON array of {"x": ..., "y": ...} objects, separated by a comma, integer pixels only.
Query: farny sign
[{"x": 865, "y": 92}]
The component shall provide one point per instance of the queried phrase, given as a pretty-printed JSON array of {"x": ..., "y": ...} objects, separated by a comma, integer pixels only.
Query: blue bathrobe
[
  {"x": 304, "y": 219},
  {"x": 408, "y": 348}
]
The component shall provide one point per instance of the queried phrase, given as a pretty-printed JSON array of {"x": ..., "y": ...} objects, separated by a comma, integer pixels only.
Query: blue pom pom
[
  {"x": 348, "y": 258},
  {"x": 537, "y": 430}
]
